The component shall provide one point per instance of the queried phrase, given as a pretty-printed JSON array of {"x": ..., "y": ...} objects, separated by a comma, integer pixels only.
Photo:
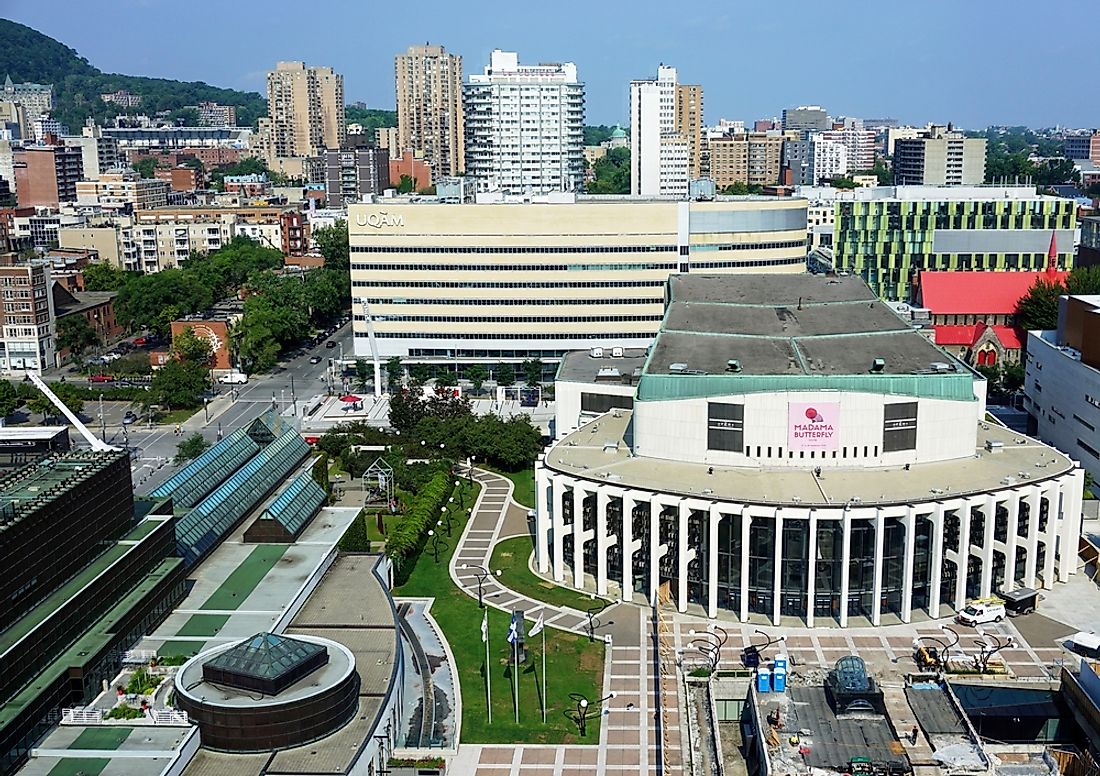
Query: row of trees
[{"x": 503, "y": 373}]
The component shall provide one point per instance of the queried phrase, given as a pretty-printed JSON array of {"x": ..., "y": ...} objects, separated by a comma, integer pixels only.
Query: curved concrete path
[{"x": 630, "y": 733}]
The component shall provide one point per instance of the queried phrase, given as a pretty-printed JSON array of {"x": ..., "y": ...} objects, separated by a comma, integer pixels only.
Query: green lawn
[
  {"x": 511, "y": 555},
  {"x": 524, "y": 485},
  {"x": 243, "y": 580},
  {"x": 79, "y": 766},
  {"x": 101, "y": 738},
  {"x": 203, "y": 625},
  {"x": 173, "y": 417},
  {"x": 180, "y": 648},
  {"x": 573, "y": 664}
]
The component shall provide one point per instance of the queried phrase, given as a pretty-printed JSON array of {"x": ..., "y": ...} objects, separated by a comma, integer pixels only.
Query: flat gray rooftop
[
  {"x": 579, "y": 366},
  {"x": 786, "y": 325},
  {"x": 598, "y": 451}
]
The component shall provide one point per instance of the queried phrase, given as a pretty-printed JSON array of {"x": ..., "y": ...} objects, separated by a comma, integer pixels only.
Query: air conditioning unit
[
  {"x": 596, "y": 353},
  {"x": 617, "y": 352}
]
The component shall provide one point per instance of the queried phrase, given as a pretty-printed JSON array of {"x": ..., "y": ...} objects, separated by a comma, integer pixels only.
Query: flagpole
[
  {"x": 515, "y": 673},
  {"x": 544, "y": 695}
]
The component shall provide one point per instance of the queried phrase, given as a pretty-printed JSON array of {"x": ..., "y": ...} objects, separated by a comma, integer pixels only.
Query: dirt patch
[{"x": 590, "y": 660}]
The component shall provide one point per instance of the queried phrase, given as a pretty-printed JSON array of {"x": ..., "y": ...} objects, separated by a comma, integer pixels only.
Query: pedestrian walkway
[{"x": 631, "y": 738}]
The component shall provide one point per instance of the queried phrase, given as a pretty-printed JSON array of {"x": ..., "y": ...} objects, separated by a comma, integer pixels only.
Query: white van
[
  {"x": 982, "y": 610},
  {"x": 234, "y": 378}
]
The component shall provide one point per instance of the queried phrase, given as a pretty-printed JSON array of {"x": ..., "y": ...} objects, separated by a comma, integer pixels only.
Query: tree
[
  {"x": 332, "y": 242},
  {"x": 1083, "y": 281},
  {"x": 1052, "y": 172},
  {"x": 1038, "y": 308},
  {"x": 419, "y": 374},
  {"x": 146, "y": 167},
  {"x": 843, "y": 183},
  {"x": 611, "y": 173},
  {"x": 532, "y": 371},
  {"x": 477, "y": 374},
  {"x": 1093, "y": 191},
  {"x": 407, "y": 185},
  {"x": 880, "y": 171},
  {"x": 178, "y": 384},
  {"x": 40, "y": 404},
  {"x": 190, "y": 448},
  {"x": 1013, "y": 376},
  {"x": 104, "y": 277},
  {"x": 506, "y": 374},
  {"x": 362, "y": 371},
  {"x": 9, "y": 399},
  {"x": 406, "y": 409},
  {"x": 75, "y": 333},
  {"x": 188, "y": 346},
  {"x": 394, "y": 372}
]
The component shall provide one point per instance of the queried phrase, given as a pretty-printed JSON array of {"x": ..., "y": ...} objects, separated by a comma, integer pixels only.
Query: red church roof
[
  {"x": 968, "y": 336},
  {"x": 978, "y": 293}
]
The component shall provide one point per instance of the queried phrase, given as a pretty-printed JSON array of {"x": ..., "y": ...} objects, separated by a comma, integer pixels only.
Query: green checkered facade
[{"x": 888, "y": 242}]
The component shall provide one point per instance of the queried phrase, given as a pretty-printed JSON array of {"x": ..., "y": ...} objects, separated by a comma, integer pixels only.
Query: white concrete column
[
  {"x": 684, "y": 555},
  {"x": 557, "y": 483},
  {"x": 712, "y": 561},
  {"x": 543, "y": 518},
  {"x": 845, "y": 566},
  {"x": 746, "y": 527},
  {"x": 630, "y": 546},
  {"x": 777, "y": 570},
  {"x": 937, "y": 562},
  {"x": 876, "y": 602},
  {"x": 657, "y": 550},
  {"x": 1031, "y": 578},
  {"x": 578, "y": 536},
  {"x": 811, "y": 569},
  {"x": 1069, "y": 522},
  {"x": 603, "y": 541},
  {"x": 964, "y": 553},
  {"x": 1050, "y": 536},
  {"x": 910, "y": 524},
  {"x": 989, "y": 509},
  {"x": 1012, "y": 542}
]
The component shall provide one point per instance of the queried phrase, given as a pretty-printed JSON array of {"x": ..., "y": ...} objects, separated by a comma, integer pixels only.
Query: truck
[
  {"x": 234, "y": 378},
  {"x": 982, "y": 610}
]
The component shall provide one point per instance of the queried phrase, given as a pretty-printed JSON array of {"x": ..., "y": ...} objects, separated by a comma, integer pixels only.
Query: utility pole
[
  {"x": 102, "y": 420},
  {"x": 293, "y": 398}
]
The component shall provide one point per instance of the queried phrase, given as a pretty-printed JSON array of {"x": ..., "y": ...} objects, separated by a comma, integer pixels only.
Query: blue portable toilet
[
  {"x": 780, "y": 662},
  {"x": 763, "y": 679},
  {"x": 779, "y": 679}
]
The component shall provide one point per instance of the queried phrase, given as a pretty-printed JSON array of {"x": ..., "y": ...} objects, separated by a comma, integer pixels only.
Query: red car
[
  {"x": 143, "y": 341},
  {"x": 101, "y": 379}
]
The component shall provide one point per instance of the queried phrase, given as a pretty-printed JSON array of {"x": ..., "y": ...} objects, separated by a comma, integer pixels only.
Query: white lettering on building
[{"x": 378, "y": 220}]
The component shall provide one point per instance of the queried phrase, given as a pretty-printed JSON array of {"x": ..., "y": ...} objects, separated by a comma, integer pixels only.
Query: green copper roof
[{"x": 657, "y": 387}]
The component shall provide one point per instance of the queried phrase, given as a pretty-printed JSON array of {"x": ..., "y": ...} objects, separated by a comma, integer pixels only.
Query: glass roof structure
[
  {"x": 189, "y": 485},
  {"x": 296, "y": 505},
  {"x": 266, "y": 662}
]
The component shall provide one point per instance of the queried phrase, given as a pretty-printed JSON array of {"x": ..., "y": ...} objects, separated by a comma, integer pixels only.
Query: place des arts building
[{"x": 791, "y": 450}]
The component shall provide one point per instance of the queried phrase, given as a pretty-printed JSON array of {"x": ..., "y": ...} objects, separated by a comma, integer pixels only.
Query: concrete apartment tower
[
  {"x": 939, "y": 156},
  {"x": 667, "y": 148},
  {"x": 525, "y": 126},
  {"x": 430, "y": 120},
  {"x": 305, "y": 111}
]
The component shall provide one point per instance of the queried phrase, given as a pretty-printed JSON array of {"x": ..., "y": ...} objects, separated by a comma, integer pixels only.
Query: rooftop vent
[
  {"x": 608, "y": 374},
  {"x": 617, "y": 352},
  {"x": 994, "y": 446},
  {"x": 678, "y": 368},
  {"x": 596, "y": 353},
  {"x": 940, "y": 366},
  {"x": 878, "y": 365},
  {"x": 733, "y": 365}
]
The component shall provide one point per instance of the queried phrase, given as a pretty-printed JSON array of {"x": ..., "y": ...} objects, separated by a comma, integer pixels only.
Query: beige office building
[
  {"x": 305, "y": 108},
  {"x": 689, "y": 124},
  {"x": 430, "y": 118},
  {"x": 121, "y": 190},
  {"x": 482, "y": 283},
  {"x": 939, "y": 157}
]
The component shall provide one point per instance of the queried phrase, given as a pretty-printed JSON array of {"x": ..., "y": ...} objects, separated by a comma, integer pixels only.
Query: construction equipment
[{"x": 96, "y": 443}]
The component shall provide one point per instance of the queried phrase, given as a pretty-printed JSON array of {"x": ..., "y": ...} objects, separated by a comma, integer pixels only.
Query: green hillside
[{"x": 28, "y": 55}]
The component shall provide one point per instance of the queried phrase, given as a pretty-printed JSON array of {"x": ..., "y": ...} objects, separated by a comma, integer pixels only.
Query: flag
[
  {"x": 536, "y": 627},
  {"x": 485, "y": 627},
  {"x": 513, "y": 630}
]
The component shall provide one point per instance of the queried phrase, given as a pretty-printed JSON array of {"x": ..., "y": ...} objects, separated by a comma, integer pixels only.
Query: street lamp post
[
  {"x": 461, "y": 498},
  {"x": 591, "y": 614},
  {"x": 583, "y": 704},
  {"x": 989, "y": 645},
  {"x": 710, "y": 643},
  {"x": 482, "y": 574},
  {"x": 750, "y": 655}
]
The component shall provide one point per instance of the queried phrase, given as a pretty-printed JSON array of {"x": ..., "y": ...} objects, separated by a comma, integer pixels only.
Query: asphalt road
[{"x": 293, "y": 383}]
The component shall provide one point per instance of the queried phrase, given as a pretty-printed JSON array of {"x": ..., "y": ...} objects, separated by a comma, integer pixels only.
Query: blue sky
[{"x": 973, "y": 62}]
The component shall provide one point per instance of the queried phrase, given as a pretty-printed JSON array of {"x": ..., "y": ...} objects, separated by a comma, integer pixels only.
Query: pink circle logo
[{"x": 812, "y": 414}]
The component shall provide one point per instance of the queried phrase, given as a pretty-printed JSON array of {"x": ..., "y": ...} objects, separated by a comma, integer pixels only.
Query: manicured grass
[
  {"x": 101, "y": 738},
  {"x": 77, "y": 766},
  {"x": 573, "y": 664},
  {"x": 511, "y": 556},
  {"x": 524, "y": 485},
  {"x": 203, "y": 625},
  {"x": 172, "y": 648},
  {"x": 175, "y": 416},
  {"x": 243, "y": 580}
]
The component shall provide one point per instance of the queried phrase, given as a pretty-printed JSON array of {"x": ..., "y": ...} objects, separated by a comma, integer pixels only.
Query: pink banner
[{"x": 813, "y": 426}]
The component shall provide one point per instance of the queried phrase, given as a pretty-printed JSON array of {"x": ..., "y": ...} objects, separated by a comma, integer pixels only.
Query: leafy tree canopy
[
  {"x": 612, "y": 173},
  {"x": 370, "y": 118},
  {"x": 75, "y": 333}
]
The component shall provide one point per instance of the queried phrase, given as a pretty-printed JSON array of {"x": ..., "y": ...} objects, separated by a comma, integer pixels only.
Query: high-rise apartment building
[
  {"x": 806, "y": 118},
  {"x": 525, "y": 126},
  {"x": 98, "y": 153},
  {"x": 211, "y": 114},
  {"x": 751, "y": 158},
  {"x": 36, "y": 99},
  {"x": 859, "y": 145},
  {"x": 894, "y": 134},
  {"x": 829, "y": 158},
  {"x": 666, "y": 119},
  {"x": 26, "y": 318},
  {"x": 354, "y": 174},
  {"x": 430, "y": 117},
  {"x": 1084, "y": 145},
  {"x": 305, "y": 111},
  {"x": 46, "y": 175},
  {"x": 123, "y": 190},
  {"x": 939, "y": 157}
]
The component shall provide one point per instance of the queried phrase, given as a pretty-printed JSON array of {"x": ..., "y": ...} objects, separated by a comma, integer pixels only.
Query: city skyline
[{"x": 866, "y": 61}]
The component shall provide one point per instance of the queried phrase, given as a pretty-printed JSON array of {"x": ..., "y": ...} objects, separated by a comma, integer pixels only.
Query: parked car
[
  {"x": 129, "y": 417},
  {"x": 315, "y": 359},
  {"x": 982, "y": 610},
  {"x": 101, "y": 379},
  {"x": 330, "y": 344}
]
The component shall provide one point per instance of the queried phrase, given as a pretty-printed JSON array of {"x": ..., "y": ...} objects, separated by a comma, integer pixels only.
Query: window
[
  {"x": 601, "y": 403},
  {"x": 725, "y": 426},
  {"x": 1088, "y": 449}
]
